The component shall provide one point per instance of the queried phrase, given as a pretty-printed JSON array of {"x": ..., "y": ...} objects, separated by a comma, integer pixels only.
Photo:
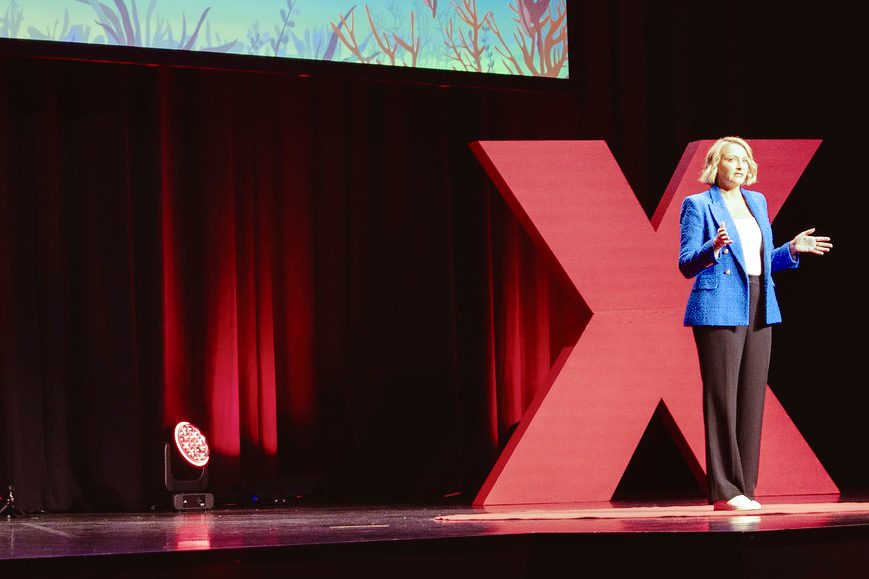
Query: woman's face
[{"x": 733, "y": 166}]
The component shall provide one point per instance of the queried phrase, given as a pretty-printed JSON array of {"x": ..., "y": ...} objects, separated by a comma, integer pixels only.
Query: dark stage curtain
[{"x": 314, "y": 271}]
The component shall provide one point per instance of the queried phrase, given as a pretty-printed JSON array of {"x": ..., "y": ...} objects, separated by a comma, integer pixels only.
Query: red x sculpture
[{"x": 577, "y": 437}]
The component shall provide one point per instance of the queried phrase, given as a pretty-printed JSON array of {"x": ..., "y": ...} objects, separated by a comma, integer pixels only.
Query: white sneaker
[{"x": 737, "y": 503}]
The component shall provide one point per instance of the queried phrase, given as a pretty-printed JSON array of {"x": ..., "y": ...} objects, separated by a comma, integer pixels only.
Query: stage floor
[{"x": 56, "y": 544}]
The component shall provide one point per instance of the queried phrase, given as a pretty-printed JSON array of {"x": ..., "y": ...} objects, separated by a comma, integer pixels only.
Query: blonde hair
[{"x": 709, "y": 174}]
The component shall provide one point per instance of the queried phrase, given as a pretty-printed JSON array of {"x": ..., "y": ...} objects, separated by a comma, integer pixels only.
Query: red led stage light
[
  {"x": 191, "y": 444},
  {"x": 187, "y": 479}
]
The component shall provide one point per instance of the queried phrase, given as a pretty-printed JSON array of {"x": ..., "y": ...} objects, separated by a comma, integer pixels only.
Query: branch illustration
[
  {"x": 346, "y": 33},
  {"x": 391, "y": 49},
  {"x": 466, "y": 49},
  {"x": 540, "y": 36}
]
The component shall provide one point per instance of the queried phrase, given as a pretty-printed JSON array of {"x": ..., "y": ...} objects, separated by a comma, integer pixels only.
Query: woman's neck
[
  {"x": 735, "y": 202},
  {"x": 730, "y": 193}
]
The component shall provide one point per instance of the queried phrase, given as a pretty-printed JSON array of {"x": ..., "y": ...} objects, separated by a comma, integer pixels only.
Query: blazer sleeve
[
  {"x": 781, "y": 258},
  {"x": 695, "y": 253}
]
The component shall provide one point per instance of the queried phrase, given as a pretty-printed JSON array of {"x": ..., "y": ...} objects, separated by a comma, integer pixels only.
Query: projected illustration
[{"x": 514, "y": 37}]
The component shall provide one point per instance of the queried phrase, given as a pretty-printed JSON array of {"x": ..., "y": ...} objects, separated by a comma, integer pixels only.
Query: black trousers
[{"x": 734, "y": 366}]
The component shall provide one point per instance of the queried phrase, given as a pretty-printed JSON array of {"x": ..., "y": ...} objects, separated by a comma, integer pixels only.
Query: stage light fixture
[
  {"x": 185, "y": 468},
  {"x": 7, "y": 505}
]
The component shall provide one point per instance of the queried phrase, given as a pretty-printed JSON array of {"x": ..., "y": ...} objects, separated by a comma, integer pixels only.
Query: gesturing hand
[
  {"x": 805, "y": 242},
  {"x": 721, "y": 239}
]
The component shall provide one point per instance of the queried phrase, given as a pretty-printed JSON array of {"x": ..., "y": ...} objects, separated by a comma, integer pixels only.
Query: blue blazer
[{"x": 720, "y": 293}]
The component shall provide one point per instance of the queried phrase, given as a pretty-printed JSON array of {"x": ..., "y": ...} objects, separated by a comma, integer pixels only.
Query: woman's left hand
[{"x": 805, "y": 242}]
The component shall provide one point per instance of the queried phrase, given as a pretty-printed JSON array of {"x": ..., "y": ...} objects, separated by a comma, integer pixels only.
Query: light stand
[{"x": 8, "y": 508}]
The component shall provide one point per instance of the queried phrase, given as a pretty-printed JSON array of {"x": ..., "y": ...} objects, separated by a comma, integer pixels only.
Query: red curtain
[
  {"x": 313, "y": 271},
  {"x": 237, "y": 264}
]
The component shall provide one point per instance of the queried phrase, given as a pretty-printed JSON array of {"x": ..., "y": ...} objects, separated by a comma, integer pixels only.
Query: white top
[{"x": 749, "y": 236}]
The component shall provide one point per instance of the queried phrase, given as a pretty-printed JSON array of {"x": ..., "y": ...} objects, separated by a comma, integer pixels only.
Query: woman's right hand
[{"x": 721, "y": 239}]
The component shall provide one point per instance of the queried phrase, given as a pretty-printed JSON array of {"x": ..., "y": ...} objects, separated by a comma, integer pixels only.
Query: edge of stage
[{"x": 397, "y": 541}]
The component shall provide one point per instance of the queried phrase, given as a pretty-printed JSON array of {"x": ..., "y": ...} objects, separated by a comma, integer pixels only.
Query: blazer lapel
[{"x": 722, "y": 215}]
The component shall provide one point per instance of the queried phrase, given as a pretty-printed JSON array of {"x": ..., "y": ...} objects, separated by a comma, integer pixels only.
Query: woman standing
[{"x": 726, "y": 243}]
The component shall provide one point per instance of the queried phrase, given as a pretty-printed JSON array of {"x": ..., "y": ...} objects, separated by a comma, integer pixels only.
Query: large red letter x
[{"x": 580, "y": 432}]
